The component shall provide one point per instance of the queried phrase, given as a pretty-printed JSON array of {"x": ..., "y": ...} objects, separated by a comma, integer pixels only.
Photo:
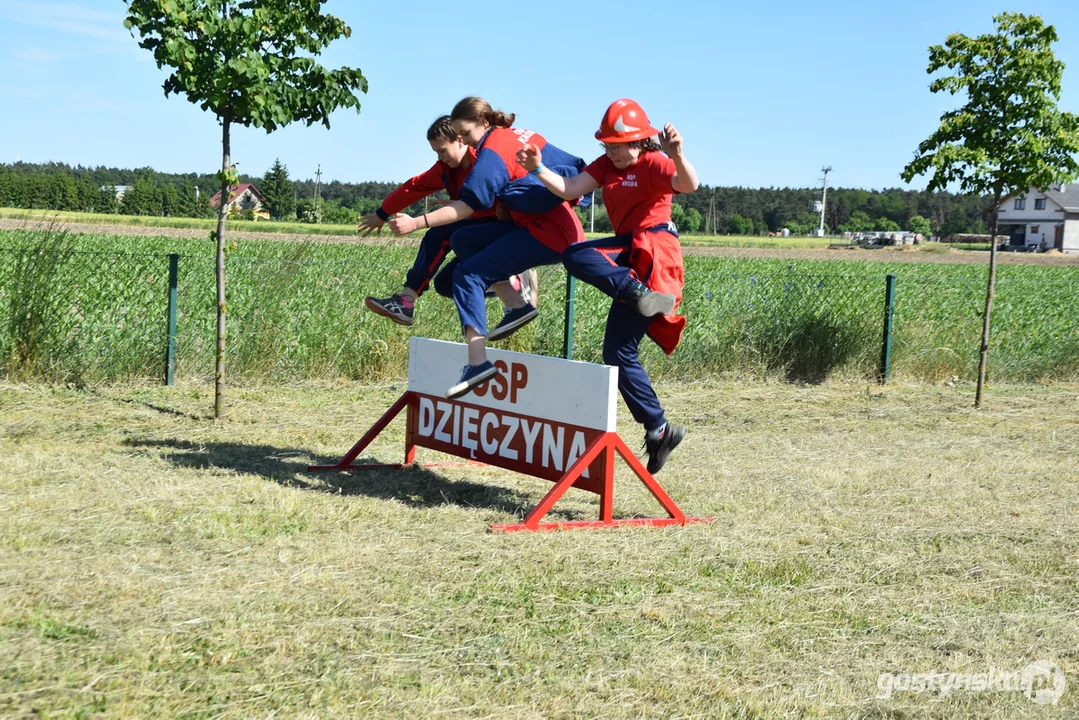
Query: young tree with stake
[
  {"x": 1009, "y": 135},
  {"x": 251, "y": 64}
]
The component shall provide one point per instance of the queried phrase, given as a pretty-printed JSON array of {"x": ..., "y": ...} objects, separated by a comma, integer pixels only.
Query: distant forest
[{"x": 713, "y": 210}]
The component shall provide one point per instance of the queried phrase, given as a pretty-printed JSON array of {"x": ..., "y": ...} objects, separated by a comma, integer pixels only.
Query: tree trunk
[
  {"x": 222, "y": 213},
  {"x": 983, "y": 356}
]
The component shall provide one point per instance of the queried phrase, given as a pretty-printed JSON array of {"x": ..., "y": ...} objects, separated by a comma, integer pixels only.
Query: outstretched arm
[
  {"x": 454, "y": 212},
  {"x": 685, "y": 176},
  {"x": 530, "y": 157}
]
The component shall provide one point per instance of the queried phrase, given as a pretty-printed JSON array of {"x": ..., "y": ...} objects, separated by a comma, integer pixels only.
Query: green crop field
[{"x": 82, "y": 308}]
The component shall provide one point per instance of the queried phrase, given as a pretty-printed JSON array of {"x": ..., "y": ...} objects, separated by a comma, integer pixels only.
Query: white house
[{"x": 1049, "y": 219}]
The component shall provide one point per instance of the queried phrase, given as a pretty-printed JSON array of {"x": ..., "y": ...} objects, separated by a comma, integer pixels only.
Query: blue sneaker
[
  {"x": 512, "y": 321},
  {"x": 472, "y": 376}
]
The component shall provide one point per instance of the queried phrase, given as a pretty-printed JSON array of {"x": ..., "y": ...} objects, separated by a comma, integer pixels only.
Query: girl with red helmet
[
  {"x": 641, "y": 266},
  {"x": 542, "y": 227}
]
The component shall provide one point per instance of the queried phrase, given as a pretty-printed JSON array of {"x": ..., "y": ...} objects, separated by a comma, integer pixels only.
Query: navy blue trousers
[
  {"x": 488, "y": 253},
  {"x": 604, "y": 264},
  {"x": 432, "y": 251}
]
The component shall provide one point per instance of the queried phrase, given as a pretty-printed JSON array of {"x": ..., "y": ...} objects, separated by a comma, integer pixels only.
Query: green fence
[{"x": 77, "y": 316}]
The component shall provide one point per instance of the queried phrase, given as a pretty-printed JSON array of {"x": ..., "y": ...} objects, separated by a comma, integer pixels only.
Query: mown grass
[
  {"x": 155, "y": 564},
  {"x": 296, "y": 310}
]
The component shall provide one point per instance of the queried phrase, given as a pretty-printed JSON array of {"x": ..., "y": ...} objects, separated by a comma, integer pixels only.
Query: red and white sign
[
  {"x": 536, "y": 416},
  {"x": 546, "y": 417}
]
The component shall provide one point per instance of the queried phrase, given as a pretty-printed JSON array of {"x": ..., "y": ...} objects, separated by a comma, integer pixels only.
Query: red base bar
[
  {"x": 390, "y": 466},
  {"x": 594, "y": 524}
]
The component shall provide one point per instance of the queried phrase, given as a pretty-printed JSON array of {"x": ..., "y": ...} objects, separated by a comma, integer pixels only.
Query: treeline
[{"x": 718, "y": 210}]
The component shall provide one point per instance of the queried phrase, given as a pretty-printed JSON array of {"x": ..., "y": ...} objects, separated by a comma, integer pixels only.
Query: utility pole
[
  {"x": 712, "y": 213},
  {"x": 318, "y": 179},
  {"x": 824, "y": 199}
]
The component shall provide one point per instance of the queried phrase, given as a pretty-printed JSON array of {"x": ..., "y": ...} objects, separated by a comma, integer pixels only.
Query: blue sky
[{"x": 765, "y": 93}]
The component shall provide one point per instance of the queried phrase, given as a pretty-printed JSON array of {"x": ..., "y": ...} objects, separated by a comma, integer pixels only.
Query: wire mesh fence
[{"x": 68, "y": 315}]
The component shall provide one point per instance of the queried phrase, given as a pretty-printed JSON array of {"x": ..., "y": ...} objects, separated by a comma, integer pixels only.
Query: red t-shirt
[
  {"x": 440, "y": 176},
  {"x": 638, "y": 197}
]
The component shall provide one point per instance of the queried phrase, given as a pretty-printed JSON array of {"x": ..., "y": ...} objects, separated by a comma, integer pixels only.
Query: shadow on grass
[{"x": 415, "y": 486}]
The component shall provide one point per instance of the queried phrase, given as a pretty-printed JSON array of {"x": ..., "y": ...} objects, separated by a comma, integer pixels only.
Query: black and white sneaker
[
  {"x": 396, "y": 308},
  {"x": 660, "y": 448},
  {"x": 472, "y": 376},
  {"x": 512, "y": 321},
  {"x": 649, "y": 303}
]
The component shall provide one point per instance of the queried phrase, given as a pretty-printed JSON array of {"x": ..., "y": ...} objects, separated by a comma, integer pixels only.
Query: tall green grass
[{"x": 93, "y": 307}]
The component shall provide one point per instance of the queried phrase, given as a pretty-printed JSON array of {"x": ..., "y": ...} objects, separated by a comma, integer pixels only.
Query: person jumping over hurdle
[
  {"x": 641, "y": 267},
  {"x": 455, "y": 160},
  {"x": 542, "y": 227}
]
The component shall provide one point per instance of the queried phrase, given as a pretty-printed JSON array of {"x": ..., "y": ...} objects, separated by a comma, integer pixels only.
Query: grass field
[
  {"x": 266, "y": 226},
  {"x": 154, "y": 564}
]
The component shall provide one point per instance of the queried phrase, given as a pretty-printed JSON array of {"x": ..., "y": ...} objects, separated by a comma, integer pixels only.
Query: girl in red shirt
[{"x": 641, "y": 266}]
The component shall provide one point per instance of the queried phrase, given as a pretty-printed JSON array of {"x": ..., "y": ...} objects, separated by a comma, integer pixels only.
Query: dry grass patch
[{"x": 153, "y": 563}]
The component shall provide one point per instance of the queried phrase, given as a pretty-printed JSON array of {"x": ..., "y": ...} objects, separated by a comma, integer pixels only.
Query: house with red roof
[{"x": 244, "y": 198}]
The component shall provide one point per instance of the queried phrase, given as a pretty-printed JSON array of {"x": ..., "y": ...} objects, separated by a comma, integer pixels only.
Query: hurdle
[{"x": 546, "y": 417}]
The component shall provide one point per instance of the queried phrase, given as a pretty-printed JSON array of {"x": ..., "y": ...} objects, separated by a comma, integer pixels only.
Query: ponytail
[{"x": 474, "y": 108}]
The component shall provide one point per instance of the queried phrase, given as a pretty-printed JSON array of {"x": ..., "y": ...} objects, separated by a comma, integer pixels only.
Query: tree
[
  {"x": 886, "y": 225},
  {"x": 277, "y": 189},
  {"x": 857, "y": 222},
  {"x": 693, "y": 220},
  {"x": 955, "y": 223},
  {"x": 739, "y": 225},
  {"x": 919, "y": 225},
  {"x": 1009, "y": 135},
  {"x": 248, "y": 63},
  {"x": 678, "y": 215}
]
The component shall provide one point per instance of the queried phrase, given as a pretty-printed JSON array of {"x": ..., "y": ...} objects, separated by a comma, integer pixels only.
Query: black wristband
[{"x": 382, "y": 214}]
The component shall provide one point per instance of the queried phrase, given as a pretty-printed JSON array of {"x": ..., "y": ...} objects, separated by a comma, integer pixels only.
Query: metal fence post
[
  {"x": 567, "y": 340},
  {"x": 889, "y": 313},
  {"x": 170, "y": 353}
]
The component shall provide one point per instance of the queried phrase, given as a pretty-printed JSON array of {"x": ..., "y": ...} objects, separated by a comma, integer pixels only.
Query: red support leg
[
  {"x": 532, "y": 520},
  {"x": 413, "y": 419},
  {"x": 608, "y": 443},
  {"x": 345, "y": 463},
  {"x": 606, "y": 498},
  {"x": 650, "y": 482}
]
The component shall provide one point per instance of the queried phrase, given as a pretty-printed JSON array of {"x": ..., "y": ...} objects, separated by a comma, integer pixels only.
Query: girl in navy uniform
[
  {"x": 542, "y": 227},
  {"x": 640, "y": 268},
  {"x": 455, "y": 159}
]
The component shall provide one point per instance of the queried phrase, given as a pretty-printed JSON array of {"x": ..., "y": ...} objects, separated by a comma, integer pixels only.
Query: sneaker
[
  {"x": 512, "y": 321},
  {"x": 396, "y": 308},
  {"x": 471, "y": 377},
  {"x": 660, "y": 448},
  {"x": 649, "y": 303},
  {"x": 529, "y": 282}
]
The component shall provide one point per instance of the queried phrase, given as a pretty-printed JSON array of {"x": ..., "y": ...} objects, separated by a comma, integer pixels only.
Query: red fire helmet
[{"x": 624, "y": 121}]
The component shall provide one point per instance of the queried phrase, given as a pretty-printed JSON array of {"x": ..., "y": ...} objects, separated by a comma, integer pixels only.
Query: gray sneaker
[
  {"x": 394, "y": 307},
  {"x": 649, "y": 303}
]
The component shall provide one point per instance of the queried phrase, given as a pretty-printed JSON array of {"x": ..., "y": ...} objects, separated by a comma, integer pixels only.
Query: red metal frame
[{"x": 603, "y": 448}]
